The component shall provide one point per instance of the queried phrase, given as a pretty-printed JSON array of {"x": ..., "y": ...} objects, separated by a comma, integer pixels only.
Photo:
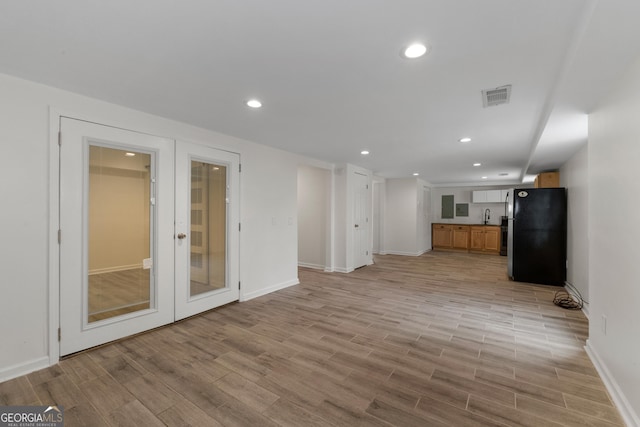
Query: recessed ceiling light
[
  {"x": 254, "y": 103},
  {"x": 465, "y": 139},
  {"x": 415, "y": 50},
  {"x": 364, "y": 152},
  {"x": 416, "y": 174},
  {"x": 504, "y": 174},
  {"x": 129, "y": 154},
  {"x": 477, "y": 164},
  {"x": 485, "y": 177}
]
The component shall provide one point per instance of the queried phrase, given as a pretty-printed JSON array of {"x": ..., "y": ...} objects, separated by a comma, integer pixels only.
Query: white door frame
[
  {"x": 54, "y": 224},
  {"x": 55, "y": 117}
]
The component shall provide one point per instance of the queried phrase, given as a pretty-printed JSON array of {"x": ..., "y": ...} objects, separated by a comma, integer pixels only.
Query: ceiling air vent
[{"x": 497, "y": 96}]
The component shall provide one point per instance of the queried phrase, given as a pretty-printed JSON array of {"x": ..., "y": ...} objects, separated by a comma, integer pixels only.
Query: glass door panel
[
  {"x": 120, "y": 224},
  {"x": 208, "y": 227}
]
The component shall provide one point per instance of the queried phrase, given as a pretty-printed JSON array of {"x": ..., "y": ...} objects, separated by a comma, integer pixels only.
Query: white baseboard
[
  {"x": 24, "y": 368},
  {"x": 570, "y": 290},
  {"x": 309, "y": 265},
  {"x": 627, "y": 412},
  {"x": 343, "y": 270},
  {"x": 255, "y": 294},
  {"x": 401, "y": 253},
  {"x": 585, "y": 309}
]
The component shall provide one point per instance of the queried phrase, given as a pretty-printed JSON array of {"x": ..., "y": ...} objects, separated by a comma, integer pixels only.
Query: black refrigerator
[{"x": 537, "y": 235}]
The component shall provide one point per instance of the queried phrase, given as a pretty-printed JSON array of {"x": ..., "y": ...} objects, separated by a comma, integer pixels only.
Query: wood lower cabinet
[
  {"x": 450, "y": 236},
  {"x": 471, "y": 238},
  {"x": 492, "y": 239},
  {"x": 477, "y": 239},
  {"x": 485, "y": 239},
  {"x": 441, "y": 236},
  {"x": 460, "y": 237}
]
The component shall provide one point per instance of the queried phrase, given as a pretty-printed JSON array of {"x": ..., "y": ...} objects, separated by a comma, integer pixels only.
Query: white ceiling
[{"x": 331, "y": 77}]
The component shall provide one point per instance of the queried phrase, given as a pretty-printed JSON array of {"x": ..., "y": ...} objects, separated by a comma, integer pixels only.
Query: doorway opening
[{"x": 314, "y": 218}]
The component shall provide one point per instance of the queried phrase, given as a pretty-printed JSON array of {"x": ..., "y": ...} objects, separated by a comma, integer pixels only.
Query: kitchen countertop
[{"x": 467, "y": 225}]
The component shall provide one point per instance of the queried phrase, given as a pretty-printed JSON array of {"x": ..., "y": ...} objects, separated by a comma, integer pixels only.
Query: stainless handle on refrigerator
[{"x": 506, "y": 204}]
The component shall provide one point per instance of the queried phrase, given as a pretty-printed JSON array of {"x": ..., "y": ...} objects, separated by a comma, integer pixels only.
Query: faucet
[{"x": 487, "y": 216}]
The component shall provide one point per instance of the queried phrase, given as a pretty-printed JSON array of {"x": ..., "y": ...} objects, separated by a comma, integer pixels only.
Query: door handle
[
  {"x": 181, "y": 236},
  {"x": 357, "y": 226}
]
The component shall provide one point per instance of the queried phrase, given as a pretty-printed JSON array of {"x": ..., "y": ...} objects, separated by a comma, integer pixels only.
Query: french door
[
  {"x": 207, "y": 229},
  {"x": 146, "y": 235}
]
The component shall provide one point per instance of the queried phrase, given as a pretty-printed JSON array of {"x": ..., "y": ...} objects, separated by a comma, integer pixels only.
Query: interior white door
[
  {"x": 116, "y": 222},
  {"x": 361, "y": 230},
  {"x": 207, "y": 229}
]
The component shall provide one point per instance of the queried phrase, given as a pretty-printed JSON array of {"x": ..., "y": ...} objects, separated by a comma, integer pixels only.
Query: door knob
[
  {"x": 181, "y": 236},
  {"x": 357, "y": 226}
]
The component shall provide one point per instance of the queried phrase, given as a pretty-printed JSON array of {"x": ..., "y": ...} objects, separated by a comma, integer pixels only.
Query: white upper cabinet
[
  {"x": 488, "y": 196},
  {"x": 479, "y": 196},
  {"x": 493, "y": 196}
]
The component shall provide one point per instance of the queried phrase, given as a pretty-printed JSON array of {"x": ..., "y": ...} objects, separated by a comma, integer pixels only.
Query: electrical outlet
[{"x": 604, "y": 324}]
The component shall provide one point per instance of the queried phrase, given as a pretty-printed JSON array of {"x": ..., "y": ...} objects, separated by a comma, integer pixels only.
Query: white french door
[
  {"x": 149, "y": 232},
  {"x": 207, "y": 222},
  {"x": 116, "y": 222}
]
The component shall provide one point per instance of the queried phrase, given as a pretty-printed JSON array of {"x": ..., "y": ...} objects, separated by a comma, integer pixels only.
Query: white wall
[
  {"x": 268, "y": 258},
  {"x": 24, "y": 257},
  {"x": 401, "y": 236},
  {"x": 463, "y": 195},
  {"x": 378, "y": 196},
  {"x": 574, "y": 176},
  {"x": 614, "y": 233},
  {"x": 268, "y": 213},
  {"x": 313, "y": 216},
  {"x": 340, "y": 211},
  {"x": 407, "y": 206}
]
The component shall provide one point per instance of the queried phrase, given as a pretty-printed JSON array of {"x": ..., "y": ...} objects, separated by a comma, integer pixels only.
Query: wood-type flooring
[
  {"x": 117, "y": 293},
  {"x": 444, "y": 339}
]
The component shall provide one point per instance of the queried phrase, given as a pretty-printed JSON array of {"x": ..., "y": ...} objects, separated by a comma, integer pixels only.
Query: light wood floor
[
  {"x": 117, "y": 293},
  {"x": 441, "y": 339}
]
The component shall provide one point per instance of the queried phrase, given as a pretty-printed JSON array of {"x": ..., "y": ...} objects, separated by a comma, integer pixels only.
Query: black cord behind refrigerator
[{"x": 570, "y": 301}]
